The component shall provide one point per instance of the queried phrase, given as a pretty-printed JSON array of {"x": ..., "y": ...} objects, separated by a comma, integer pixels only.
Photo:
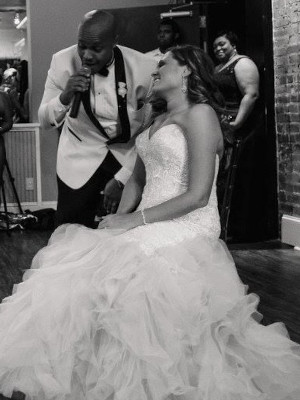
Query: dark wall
[
  {"x": 259, "y": 46},
  {"x": 230, "y": 16},
  {"x": 138, "y": 26}
]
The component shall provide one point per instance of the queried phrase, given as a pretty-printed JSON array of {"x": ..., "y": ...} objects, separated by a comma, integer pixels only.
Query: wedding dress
[{"x": 154, "y": 313}]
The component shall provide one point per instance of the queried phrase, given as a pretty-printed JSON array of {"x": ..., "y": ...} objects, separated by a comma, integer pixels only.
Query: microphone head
[{"x": 86, "y": 70}]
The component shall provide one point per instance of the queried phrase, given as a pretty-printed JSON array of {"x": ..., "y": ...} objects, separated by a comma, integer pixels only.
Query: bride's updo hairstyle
[{"x": 201, "y": 85}]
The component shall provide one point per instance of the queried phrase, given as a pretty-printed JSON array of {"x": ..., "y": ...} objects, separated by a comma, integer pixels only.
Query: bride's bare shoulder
[
  {"x": 200, "y": 114},
  {"x": 201, "y": 121}
]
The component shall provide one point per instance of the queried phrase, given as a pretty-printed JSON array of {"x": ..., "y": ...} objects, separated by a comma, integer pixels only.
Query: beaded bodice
[{"x": 165, "y": 156}]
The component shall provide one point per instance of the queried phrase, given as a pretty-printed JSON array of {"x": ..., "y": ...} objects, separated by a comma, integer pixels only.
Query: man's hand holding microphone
[{"x": 76, "y": 85}]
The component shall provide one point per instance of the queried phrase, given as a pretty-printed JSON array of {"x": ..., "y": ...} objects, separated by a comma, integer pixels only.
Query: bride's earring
[{"x": 184, "y": 87}]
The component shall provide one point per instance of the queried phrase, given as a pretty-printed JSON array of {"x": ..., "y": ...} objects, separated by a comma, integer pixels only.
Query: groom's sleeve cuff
[{"x": 123, "y": 175}]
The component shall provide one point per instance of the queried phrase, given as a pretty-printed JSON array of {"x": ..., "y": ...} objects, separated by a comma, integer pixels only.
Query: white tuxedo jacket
[{"x": 82, "y": 147}]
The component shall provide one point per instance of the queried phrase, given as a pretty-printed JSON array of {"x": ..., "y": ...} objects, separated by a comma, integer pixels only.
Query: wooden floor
[{"x": 270, "y": 269}]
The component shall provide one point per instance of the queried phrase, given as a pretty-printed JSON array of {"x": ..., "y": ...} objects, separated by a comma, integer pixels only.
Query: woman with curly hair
[{"x": 149, "y": 306}]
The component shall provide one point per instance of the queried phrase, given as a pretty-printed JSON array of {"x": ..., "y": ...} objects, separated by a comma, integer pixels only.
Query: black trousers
[
  {"x": 80, "y": 205},
  {"x": 2, "y": 157}
]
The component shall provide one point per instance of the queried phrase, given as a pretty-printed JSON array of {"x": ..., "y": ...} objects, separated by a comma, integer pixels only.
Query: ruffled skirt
[{"x": 97, "y": 318}]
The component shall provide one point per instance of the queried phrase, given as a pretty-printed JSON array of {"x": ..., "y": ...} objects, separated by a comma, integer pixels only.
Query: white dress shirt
[{"x": 104, "y": 103}]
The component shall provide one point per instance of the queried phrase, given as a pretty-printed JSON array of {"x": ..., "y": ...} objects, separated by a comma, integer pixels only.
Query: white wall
[{"x": 8, "y": 39}]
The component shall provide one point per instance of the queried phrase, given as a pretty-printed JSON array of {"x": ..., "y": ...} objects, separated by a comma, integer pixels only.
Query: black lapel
[
  {"x": 85, "y": 98},
  {"x": 122, "y": 101},
  {"x": 120, "y": 76}
]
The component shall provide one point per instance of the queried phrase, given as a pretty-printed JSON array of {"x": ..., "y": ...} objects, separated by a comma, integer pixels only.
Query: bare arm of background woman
[{"x": 247, "y": 78}]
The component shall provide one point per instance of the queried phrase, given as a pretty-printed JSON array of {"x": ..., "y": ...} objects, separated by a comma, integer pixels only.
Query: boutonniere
[{"x": 122, "y": 91}]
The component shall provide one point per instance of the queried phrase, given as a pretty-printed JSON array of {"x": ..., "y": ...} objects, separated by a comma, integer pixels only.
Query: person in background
[
  {"x": 1, "y": 74},
  {"x": 168, "y": 36},
  {"x": 23, "y": 74},
  {"x": 96, "y": 147},
  {"x": 239, "y": 82},
  {"x": 23, "y": 91},
  {"x": 9, "y": 86}
]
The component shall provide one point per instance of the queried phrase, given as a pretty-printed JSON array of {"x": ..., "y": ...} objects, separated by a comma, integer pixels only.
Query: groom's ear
[{"x": 186, "y": 71}]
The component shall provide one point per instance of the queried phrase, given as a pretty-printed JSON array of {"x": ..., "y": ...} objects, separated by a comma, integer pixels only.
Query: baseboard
[
  {"x": 290, "y": 230},
  {"x": 13, "y": 207}
]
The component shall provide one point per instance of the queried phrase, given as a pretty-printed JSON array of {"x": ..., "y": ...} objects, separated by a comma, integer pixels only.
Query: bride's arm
[
  {"x": 204, "y": 138},
  {"x": 133, "y": 189}
]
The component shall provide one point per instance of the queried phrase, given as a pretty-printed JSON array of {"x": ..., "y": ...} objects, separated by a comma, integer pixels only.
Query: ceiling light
[
  {"x": 173, "y": 14},
  {"x": 22, "y": 24}
]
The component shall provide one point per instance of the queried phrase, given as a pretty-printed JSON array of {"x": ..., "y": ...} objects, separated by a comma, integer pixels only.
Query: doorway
[{"x": 251, "y": 20}]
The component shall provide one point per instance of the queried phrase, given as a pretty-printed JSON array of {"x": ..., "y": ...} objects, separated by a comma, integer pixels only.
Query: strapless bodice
[{"x": 165, "y": 155}]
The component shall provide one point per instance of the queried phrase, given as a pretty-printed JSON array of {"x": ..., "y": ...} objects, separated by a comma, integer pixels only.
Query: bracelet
[{"x": 143, "y": 216}]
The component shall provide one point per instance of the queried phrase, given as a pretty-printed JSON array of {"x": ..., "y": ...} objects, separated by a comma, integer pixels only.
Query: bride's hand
[{"x": 121, "y": 221}]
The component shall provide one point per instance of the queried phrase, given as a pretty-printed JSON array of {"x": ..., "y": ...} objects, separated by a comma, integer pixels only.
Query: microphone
[{"x": 77, "y": 96}]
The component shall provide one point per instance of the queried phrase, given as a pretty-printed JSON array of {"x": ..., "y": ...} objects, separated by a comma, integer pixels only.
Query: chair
[{"x": 225, "y": 182}]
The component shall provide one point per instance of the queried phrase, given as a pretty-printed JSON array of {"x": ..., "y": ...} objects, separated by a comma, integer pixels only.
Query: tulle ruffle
[{"x": 97, "y": 319}]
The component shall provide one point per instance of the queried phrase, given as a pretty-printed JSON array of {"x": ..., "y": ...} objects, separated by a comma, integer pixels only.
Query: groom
[{"x": 96, "y": 147}]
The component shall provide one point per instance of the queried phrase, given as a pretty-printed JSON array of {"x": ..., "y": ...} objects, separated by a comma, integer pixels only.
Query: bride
[{"x": 149, "y": 306}]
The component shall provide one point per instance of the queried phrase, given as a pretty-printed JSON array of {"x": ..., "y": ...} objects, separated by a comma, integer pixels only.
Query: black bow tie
[{"x": 104, "y": 71}]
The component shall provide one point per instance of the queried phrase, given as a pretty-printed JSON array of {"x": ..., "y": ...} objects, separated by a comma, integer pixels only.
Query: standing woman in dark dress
[{"x": 238, "y": 80}]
